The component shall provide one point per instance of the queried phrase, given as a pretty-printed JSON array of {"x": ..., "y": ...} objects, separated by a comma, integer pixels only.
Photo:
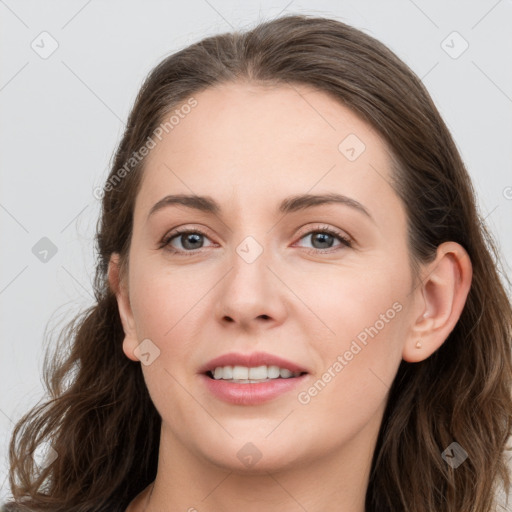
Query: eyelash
[{"x": 165, "y": 243}]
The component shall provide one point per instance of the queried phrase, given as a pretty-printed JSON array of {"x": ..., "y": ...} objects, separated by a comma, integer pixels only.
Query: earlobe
[
  {"x": 441, "y": 299},
  {"x": 119, "y": 288}
]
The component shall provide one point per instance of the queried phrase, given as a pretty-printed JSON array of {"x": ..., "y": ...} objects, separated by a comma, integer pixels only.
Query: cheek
[
  {"x": 351, "y": 389},
  {"x": 367, "y": 313},
  {"x": 162, "y": 299},
  {"x": 165, "y": 306},
  {"x": 348, "y": 300}
]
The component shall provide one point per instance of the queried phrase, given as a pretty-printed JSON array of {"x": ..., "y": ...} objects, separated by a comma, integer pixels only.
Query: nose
[{"x": 251, "y": 296}]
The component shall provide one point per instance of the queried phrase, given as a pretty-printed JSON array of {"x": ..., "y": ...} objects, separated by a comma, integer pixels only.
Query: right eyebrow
[{"x": 201, "y": 203}]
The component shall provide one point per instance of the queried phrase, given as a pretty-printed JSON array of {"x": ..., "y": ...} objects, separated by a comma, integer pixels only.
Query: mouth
[
  {"x": 252, "y": 375},
  {"x": 251, "y": 379}
]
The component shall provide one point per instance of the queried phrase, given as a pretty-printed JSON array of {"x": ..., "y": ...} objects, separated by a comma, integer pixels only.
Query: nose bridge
[
  {"x": 251, "y": 239},
  {"x": 250, "y": 289},
  {"x": 251, "y": 249},
  {"x": 249, "y": 277}
]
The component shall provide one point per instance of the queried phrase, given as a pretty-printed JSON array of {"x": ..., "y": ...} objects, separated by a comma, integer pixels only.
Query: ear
[
  {"x": 119, "y": 287},
  {"x": 440, "y": 299}
]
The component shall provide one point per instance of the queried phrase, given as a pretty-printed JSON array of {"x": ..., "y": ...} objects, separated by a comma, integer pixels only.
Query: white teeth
[
  {"x": 258, "y": 373},
  {"x": 239, "y": 373},
  {"x": 273, "y": 372},
  {"x": 253, "y": 374},
  {"x": 284, "y": 373}
]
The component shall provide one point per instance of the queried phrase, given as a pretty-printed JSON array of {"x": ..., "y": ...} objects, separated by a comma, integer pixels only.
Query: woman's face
[{"x": 273, "y": 277}]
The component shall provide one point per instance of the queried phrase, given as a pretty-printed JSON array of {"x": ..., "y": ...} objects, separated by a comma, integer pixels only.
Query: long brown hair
[{"x": 99, "y": 417}]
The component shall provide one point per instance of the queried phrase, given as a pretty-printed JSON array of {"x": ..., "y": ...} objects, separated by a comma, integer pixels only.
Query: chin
[{"x": 252, "y": 455}]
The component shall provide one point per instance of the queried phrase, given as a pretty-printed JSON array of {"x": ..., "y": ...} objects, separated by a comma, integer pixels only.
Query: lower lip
[{"x": 251, "y": 393}]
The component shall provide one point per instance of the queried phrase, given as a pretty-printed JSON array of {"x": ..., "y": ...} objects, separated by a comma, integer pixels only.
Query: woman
[{"x": 298, "y": 307}]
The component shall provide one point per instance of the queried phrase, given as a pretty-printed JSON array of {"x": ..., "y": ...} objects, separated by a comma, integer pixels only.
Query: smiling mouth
[{"x": 251, "y": 375}]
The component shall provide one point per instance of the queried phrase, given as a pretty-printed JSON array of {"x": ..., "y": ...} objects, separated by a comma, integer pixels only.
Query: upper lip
[{"x": 251, "y": 360}]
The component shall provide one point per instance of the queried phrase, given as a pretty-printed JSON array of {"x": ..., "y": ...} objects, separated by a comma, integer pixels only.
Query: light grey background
[{"x": 63, "y": 115}]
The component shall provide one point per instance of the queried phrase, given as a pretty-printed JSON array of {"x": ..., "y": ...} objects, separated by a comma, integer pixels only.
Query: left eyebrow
[
  {"x": 303, "y": 201},
  {"x": 288, "y": 205}
]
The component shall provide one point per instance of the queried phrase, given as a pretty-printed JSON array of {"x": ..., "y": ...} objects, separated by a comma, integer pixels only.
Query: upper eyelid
[
  {"x": 185, "y": 230},
  {"x": 321, "y": 227},
  {"x": 205, "y": 231},
  {"x": 343, "y": 235}
]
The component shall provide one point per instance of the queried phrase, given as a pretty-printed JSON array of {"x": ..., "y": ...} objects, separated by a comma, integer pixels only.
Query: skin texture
[{"x": 249, "y": 147}]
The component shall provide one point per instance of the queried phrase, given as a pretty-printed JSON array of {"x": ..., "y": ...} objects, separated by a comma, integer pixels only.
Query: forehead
[
  {"x": 262, "y": 120},
  {"x": 252, "y": 142}
]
